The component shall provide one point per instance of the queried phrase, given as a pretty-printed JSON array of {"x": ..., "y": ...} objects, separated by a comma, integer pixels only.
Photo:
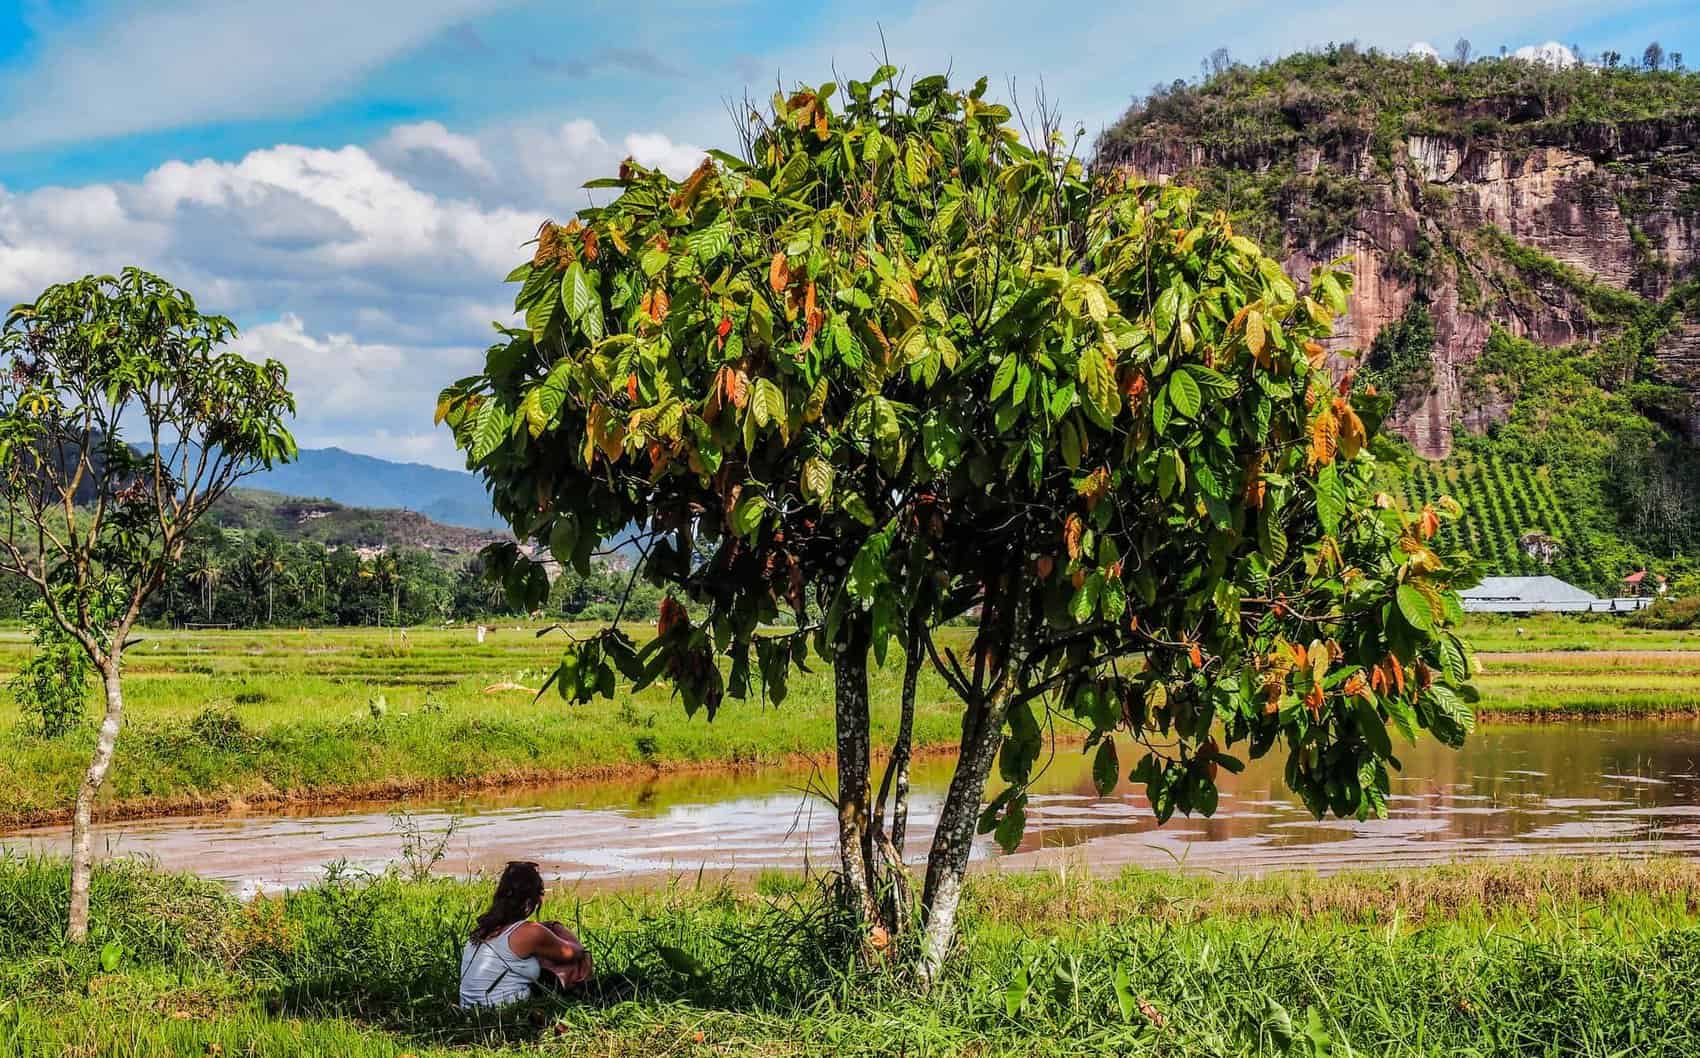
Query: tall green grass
[{"x": 1575, "y": 957}]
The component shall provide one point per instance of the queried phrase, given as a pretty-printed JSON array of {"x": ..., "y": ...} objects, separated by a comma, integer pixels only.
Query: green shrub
[
  {"x": 52, "y": 687},
  {"x": 1669, "y": 614}
]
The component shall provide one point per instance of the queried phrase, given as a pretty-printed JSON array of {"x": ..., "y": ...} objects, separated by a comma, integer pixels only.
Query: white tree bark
[
  {"x": 82, "y": 837},
  {"x": 953, "y": 842}
]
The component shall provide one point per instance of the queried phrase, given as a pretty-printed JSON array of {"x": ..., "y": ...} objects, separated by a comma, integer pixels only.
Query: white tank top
[{"x": 491, "y": 975}]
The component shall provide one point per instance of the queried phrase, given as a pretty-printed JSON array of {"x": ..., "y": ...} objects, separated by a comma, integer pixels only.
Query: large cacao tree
[{"x": 894, "y": 362}]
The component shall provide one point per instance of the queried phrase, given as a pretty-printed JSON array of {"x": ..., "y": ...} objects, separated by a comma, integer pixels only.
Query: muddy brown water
[{"x": 1631, "y": 788}]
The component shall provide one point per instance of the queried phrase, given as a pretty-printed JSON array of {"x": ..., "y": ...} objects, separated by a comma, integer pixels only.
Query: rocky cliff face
[{"x": 1564, "y": 236}]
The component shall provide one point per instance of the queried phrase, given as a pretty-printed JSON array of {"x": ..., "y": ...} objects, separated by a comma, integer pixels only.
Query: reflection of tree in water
[{"x": 1508, "y": 782}]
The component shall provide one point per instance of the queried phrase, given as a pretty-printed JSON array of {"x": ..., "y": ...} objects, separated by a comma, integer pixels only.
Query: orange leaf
[
  {"x": 1073, "y": 530},
  {"x": 1313, "y": 701},
  {"x": 737, "y": 387},
  {"x": 1428, "y": 522},
  {"x": 691, "y": 189},
  {"x": 779, "y": 273},
  {"x": 590, "y": 244},
  {"x": 1044, "y": 566},
  {"x": 1324, "y": 436},
  {"x": 1197, "y": 657},
  {"x": 1316, "y": 354},
  {"x": 631, "y": 386}
]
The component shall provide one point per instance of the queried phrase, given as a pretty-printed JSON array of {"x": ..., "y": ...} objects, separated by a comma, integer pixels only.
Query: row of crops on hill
[{"x": 1502, "y": 501}]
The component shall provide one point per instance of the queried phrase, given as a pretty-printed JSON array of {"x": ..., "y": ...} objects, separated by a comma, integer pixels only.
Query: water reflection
[{"x": 1628, "y": 787}]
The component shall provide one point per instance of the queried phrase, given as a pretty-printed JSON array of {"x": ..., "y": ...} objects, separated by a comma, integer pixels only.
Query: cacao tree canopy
[{"x": 905, "y": 355}]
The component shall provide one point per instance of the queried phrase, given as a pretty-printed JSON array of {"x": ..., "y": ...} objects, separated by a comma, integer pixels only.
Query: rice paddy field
[{"x": 232, "y": 719}]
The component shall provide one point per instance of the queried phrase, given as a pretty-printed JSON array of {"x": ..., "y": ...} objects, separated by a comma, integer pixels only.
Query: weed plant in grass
[{"x": 1590, "y": 957}]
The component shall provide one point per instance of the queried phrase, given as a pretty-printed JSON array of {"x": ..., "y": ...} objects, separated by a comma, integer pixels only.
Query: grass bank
[
  {"x": 225, "y": 719},
  {"x": 1576, "y": 957}
]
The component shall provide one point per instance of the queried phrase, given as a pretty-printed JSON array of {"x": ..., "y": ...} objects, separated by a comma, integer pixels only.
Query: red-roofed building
[{"x": 1636, "y": 583}]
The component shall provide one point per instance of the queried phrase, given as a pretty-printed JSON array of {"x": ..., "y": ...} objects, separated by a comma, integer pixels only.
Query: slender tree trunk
[
  {"x": 953, "y": 842},
  {"x": 82, "y": 851},
  {"x": 895, "y": 782},
  {"x": 855, "y": 835}
]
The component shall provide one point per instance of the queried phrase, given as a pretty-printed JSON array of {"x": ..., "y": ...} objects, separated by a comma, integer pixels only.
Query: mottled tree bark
[
  {"x": 855, "y": 834},
  {"x": 82, "y": 838},
  {"x": 895, "y": 782}
]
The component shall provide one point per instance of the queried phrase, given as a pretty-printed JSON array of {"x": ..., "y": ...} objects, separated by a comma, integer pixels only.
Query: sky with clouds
[{"x": 351, "y": 181}]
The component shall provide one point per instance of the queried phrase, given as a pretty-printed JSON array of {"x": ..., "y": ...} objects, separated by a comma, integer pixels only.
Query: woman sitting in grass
[{"x": 508, "y": 958}]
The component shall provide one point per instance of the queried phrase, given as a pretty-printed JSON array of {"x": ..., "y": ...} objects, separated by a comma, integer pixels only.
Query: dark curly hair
[{"x": 519, "y": 894}]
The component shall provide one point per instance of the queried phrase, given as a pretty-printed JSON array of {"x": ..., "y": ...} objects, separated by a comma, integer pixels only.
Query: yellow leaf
[
  {"x": 1254, "y": 336},
  {"x": 1352, "y": 434}
]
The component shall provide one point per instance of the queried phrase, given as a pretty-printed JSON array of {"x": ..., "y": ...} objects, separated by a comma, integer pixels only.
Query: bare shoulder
[{"x": 528, "y": 937}]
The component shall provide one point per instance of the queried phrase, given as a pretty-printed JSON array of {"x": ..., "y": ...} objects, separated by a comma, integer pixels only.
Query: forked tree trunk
[
  {"x": 82, "y": 838},
  {"x": 953, "y": 842},
  {"x": 855, "y": 836},
  {"x": 902, "y": 750}
]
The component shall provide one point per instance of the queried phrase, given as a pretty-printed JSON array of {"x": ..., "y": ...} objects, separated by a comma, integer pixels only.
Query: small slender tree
[
  {"x": 93, "y": 521},
  {"x": 901, "y": 362}
]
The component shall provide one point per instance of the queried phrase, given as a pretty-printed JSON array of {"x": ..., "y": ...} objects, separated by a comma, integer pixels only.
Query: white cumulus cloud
[{"x": 373, "y": 273}]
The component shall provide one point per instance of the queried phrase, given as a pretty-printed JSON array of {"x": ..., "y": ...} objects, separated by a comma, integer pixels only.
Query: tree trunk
[
  {"x": 82, "y": 851},
  {"x": 895, "y": 782},
  {"x": 855, "y": 836},
  {"x": 947, "y": 863}
]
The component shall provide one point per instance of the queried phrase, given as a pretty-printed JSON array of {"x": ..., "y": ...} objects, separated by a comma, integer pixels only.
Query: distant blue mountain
[{"x": 452, "y": 497}]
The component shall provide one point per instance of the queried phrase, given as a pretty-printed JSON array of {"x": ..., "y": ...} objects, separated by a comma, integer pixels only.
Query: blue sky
[{"x": 350, "y": 179}]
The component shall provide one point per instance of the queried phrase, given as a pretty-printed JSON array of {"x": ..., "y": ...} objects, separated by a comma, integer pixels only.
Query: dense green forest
[{"x": 259, "y": 577}]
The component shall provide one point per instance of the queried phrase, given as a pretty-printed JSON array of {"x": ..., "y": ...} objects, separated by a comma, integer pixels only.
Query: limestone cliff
[{"x": 1563, "y": 206}]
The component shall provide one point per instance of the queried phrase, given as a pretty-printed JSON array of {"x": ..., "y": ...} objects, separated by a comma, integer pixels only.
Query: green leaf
[
  {"x": 1372, "y": 728},
  {"x": 915, "y": 164},
  {"x": 1098, "y": 385},
  {"x": 747, "y": 515},
  {"x": 1330, "y": 499},
  {"x": 1012, "y": 825},
  {"x": 492, "y": 429},
  {"x": 1414, "y": 607},
  {"x": 710, "y": 242},
  {"x": 1106, "y": 769},
  {"x": 1213, "y": 383},
  {"x": 1184, "y": 394},
  {"x": 541, "y": 314},
  {"x": 1126, "y": 1002},
  {"x": 1271, "y": 537},
  {"x": 563, "y": 538},
  {"x": 1277, "y": 1022},
  {"x": 577, "y": 293},
  {"x": 111, "y": 954},
  {"x": 817, "y": 479},
  {"x": 1004, "y": 375},
  {"x": 856, "y": 507}
]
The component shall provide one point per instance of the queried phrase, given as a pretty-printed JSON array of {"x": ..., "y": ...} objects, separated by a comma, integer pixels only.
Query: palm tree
[{"x": 209, "y": 574}]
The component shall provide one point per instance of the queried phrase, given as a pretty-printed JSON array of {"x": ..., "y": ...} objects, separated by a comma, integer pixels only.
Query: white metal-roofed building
[{"x": 1540, "y": 595}]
